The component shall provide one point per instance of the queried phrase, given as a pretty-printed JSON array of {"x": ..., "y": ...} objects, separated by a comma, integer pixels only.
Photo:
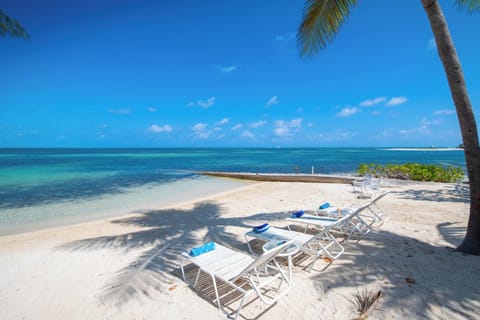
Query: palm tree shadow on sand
[
  {"x": 451, "y": 193},
  {"x": 164, "y": 234},
  {"x": 413, "y": 275}
]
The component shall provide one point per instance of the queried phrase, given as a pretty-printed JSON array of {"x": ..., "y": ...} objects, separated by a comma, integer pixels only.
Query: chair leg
[
  {"x": 240, "y": 306},
  {"x": 196, "y": 278},
  {"x": 248, "y": 244},
  {"x": 216, "y": 292},
  {"x": 183, "y": 271}
]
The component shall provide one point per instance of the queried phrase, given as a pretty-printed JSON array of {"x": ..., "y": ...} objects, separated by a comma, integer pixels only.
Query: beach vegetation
[
  {"x": 363, "y": 300},
  {"x": 321, "y": 22},
  {"x": 413, "y": 171},
  {"x": 10, "y": 26}
]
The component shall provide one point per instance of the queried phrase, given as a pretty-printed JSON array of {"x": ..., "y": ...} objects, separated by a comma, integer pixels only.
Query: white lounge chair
[
  {"x": 349, "y": 224},
  {"x": 367, "y": 187},
  {"x": 372, "y": 214},
  {"x": 322, "y": 243},
  {"x": 241, "y": 272}
]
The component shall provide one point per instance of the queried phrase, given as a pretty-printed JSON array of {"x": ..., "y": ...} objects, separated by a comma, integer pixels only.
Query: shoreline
[
  {"x": 110, "y": 206},
  {"x": 127, "y": 267},
  {"x": 277, "y": 177}
]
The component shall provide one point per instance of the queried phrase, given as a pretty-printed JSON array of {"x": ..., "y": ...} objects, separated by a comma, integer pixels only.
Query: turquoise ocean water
[{"x": 38, "y": 177}]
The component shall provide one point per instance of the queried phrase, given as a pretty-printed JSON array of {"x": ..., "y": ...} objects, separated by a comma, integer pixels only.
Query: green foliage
[
  {"x": 321, "y": 22},
  {"x": 10, "y": 26},
  {"x": 413, "y": 171}
]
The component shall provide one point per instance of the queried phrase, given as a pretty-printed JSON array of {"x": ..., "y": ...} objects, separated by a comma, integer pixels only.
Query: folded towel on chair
[
  {"x": 297, "y": 214},
  {"x": 259, "y": 229},
  {"x": 324, "y": 205},
  {"x": 210, "y": 246}
]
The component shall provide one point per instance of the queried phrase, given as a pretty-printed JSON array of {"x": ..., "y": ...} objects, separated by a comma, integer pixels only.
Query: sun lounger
[
  {"x": 371, "y": 215},
  {"x": 321, "y": 244},
  {"x": 348, "y": 224},
  {"x": 240, "y": 271}
]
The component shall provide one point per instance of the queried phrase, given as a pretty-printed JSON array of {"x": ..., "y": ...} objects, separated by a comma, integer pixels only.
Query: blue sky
[{"x": 227, "y": 73}]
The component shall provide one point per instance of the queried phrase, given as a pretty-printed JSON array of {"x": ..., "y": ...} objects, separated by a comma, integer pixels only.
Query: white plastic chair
[
  {"x": 367, "y": 187},
  {"x": 241, "y": 272}
]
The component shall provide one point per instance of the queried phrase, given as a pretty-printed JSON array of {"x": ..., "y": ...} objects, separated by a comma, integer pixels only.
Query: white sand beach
[{"x": 127, "y": 267}]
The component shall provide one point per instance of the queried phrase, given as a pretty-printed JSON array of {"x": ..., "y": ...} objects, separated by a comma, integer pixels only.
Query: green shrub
[{"x": 413, "y": 171}]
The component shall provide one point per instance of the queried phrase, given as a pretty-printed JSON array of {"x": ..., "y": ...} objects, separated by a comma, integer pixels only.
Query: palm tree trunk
[{"x": 466, "y": 119}]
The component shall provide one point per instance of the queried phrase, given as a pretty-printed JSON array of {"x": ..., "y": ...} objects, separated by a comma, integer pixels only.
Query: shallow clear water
[{"x": 34, "y": 178}]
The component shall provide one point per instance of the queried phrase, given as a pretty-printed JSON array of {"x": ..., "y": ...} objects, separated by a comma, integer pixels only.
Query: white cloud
[
  {"x": 272, "y": 101},
  {"x": 446, "y": 112},
  {"x": 310, "y": 124},
  {"x": 372, "y": 102},
  {"x": 123, "y": 111},
  {"x": 431, "y": 44},
  {"x": 282, "y": 128},
  {"x": 247, "y": 134},
  {"x": 200, "y": 131},
  {"x": 376, "y": 112},
  {"x": 335, "y": 136},
  {"x": 157, "y": 129},
  {"x": 203, "y": 103},
  {"x": 295, "y": 123},
  {"x": 199, "y": 127},
  {"x": 395, "y": 101},
  {"x": 422, "y": 130},
  {"x": 237, "y": 126},
  {"x": 287, "y": 37},
  {"x": 281, "y": 131},
  {"x": 427, "y": 122},
  {"x": 152, "y": 109},
  {"x": 226, "y": 69},
  {"x": 347, "y": 112},
  {"x": 257, "y": 124},
  {"x": 223, "y": 122},
  {"x": 203, "y": 134},
  {"x": 217, "y": 129},
  {"x": 206, "y": 104}
]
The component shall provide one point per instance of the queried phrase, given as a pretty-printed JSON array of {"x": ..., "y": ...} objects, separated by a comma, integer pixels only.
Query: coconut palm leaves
[
  {"x": 10, "y": 26},
  {"x": 470, "y": 6},
  {"x": 322, "y": 20}
]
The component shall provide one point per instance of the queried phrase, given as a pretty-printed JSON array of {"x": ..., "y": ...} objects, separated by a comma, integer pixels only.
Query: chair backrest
[
  {"x": 374, "y": 200},
  {"x": 340, "y": 222},
  {"x": 266, "y": 257}
]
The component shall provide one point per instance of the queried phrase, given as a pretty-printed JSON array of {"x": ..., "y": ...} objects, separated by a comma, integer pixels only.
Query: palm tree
[
  {"x": 321, "y": 22},
  {"x": 10, "y": 26}
]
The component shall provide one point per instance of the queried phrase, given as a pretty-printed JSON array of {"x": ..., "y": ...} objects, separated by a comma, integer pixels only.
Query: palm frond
[
  {"x": 470, "y": 6},
  {"x": 11, "y": 27},
  {"x": 321, "y": 21}
]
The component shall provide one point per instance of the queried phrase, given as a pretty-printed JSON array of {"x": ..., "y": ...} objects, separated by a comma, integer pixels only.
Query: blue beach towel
[
  {"x": 297, "y": 214},
  {"x": 324, "y": 205},
  {"x": 259, "y": 229},
  {"x": 207, "y": 247}
]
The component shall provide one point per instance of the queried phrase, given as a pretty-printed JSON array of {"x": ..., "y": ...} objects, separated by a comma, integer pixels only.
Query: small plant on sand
[{"x": 363, "y": 301}]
